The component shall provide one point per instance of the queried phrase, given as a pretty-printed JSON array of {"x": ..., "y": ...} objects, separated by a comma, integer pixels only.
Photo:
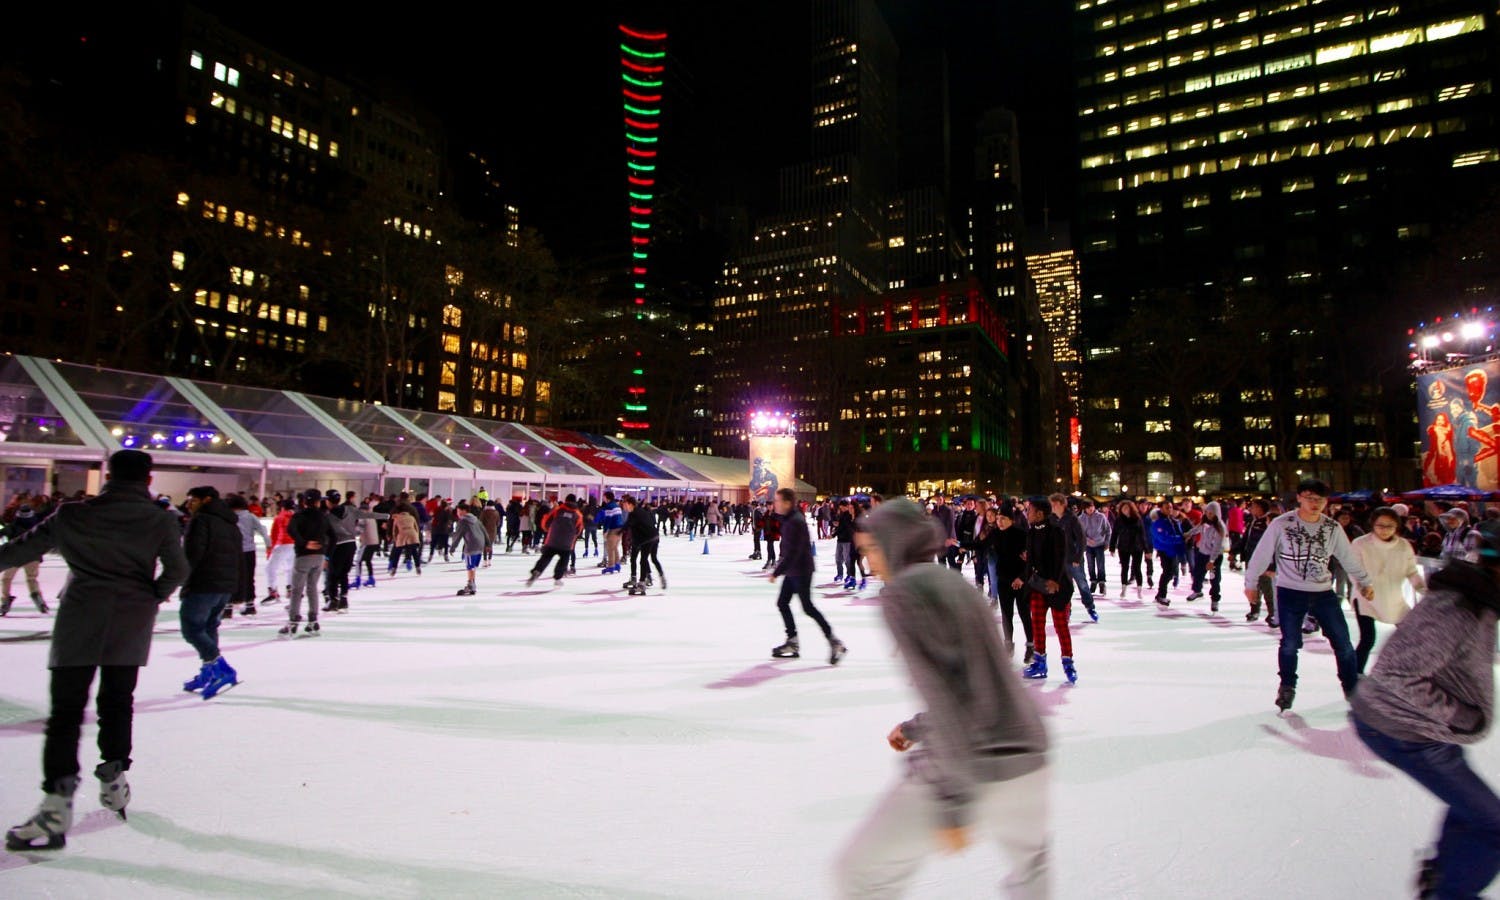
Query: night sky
[{"x": 536, "y": 87}]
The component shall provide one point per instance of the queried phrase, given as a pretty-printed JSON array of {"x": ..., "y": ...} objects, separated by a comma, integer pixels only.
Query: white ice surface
[{"x": 583, "y": 743}]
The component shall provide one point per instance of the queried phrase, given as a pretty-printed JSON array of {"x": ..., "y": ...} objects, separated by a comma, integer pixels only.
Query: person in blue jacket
[{"x": 1166, "y": 539}]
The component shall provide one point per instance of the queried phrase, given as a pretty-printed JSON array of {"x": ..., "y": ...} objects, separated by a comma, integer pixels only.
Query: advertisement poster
[
  {"x": 602, "y": 455},
  {"x": 1458, "y": 411},
  {"x": 773, "y": 461}
]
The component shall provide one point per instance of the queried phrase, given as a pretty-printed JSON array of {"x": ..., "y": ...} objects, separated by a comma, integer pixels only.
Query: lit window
[
  {"x": 1403, "y": 38},
  {"x": 322, "y": 323},
  {"x": 179, "y": 260},
  {"x": 1339, "y": 52},
  {"x": 233, "y": 78},
  {"x": 1441, "y": 30},
  {"x": 195, "y": 59},
  {"x": 191, "y": 116},
  {"x": 1475, "y": 158},
  {"x": 220, "y": 71},
  {"x": 333, "y": 149},
  {"x": 900, "y": 240}
]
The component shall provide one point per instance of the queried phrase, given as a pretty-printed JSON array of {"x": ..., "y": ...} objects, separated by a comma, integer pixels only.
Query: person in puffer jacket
[
  {"x": 1208, "y": 540},
  {"x": 978, "y": 754},
  {"x": 1432, "y": 691}
]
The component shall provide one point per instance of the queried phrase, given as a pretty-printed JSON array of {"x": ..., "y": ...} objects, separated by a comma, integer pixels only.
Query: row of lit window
[
  {"x": 1271, "y": 36},
  {"x": 1250, "y": 130},
  {"x": 1250, "y": 160},
  {"x": 261, "y": 337},
  {"x": 1333, "y": 53},
  {"x": 248, "y": 221},
  {"x": 278, "y": 126},
  {"x": 222, "y": 72},
  {"x": 1141, "y": 13},
  {"x": 237, "y": 305}
]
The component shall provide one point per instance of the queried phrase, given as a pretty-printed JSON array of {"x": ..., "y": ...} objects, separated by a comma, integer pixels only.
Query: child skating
[{"x": 469, "y": 533}]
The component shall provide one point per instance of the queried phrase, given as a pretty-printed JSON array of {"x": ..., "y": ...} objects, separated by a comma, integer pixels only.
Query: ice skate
[
  {"x": 1195, "y": 595},
  {"x": 1070, "y": 670},
  {"x": 636, "y": 590},
  {"x": 288, "y": 631},
  {"x": 1213, "y": 605},
  {"x": 531, "y": 579},
  {"x": 41, "y": 605},
  {"x": 5, "y": 604},
  {"x": 1038, "y": 668},
  {"x": 1029, "y": 655},
  {"x": 557, "y": 582},
  {"x": 114, "y": 790},
  {"x": 790, "y": 650},
  {"x": 271, "y": 597},
  {"x": 1123, "y": 588},
  {"x": 1284, "y": 697},
  {"x": 1093, "y": 614},
  {"x": 196, "y": 683},
  {"x": 466, "y": 591},
  {"x": 249, "y": 609},
  {"x": 224, "y": 677},
  {"x": 664, "y": 582},
  {"x": 313, "y": 629},
  {"x": 228, "y": 612},
  {"x": 1254, "y": 613},
  {"x": 836, "y": 651},
  {"x": 1272, "y": 621},
  {"x": 849, "y": 583},
  {"x": 47, "y": 829},
  {"x": 862, "y": 583},
  {"x": 370, "y": 581},
  {"x": 1163, "y": 602}
]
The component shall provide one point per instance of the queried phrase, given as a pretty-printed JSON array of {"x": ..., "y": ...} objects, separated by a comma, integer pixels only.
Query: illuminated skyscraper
[{"x": 1251, "y": 173}]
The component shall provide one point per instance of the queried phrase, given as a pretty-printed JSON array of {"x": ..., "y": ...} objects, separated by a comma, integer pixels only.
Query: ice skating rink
[{"x": 578, "y": 742}]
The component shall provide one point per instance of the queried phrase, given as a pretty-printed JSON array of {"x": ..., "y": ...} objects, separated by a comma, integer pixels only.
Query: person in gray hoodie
[
  {"x": 469, "y": 532},
  {"x": 1431, "y": 692},
  {"x": 978, "y": 755},
  {"x": 1208, "y": 540}
]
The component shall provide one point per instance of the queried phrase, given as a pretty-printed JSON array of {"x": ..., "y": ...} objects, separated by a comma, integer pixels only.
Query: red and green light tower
[{"x": 643, "y": 57}]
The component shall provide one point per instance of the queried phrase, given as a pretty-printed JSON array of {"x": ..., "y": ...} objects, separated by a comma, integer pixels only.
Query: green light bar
[
  {"x": 630, "y": 136},
  {"x": 635, "y": 196},
  {"x": 639, "y": 83},
  {"x": 642, "y": 112},
  {"x": 641, "y": 225},
  {"x": 638, "y": 371},
  {"x": 643, "y": 54},
  {"x": 640, "y": 167},
  {"x": 640, "y": 285},
  {"x": 636, "y": 407},
  {"x": 638, "y": 255}
]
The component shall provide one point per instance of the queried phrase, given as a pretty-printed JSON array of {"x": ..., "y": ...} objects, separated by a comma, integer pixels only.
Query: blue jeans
[
  {"x": 200, "y": 615},
  {"x": 1469, "y": 844},
  {"x": 1081, "y": 580},
  {"x": 992, "y": 569},
  {"x": 1294, "y": 606},
  {"x": 1095, "y": 558},
  {"x": 1202, "y": 568}
]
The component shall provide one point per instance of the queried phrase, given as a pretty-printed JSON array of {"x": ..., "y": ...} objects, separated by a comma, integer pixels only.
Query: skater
[
  {"x": 1096, "y": 534},
  {"x": 249, "y": 527},
  {"x": 1128, "y": 539},
  {"x": 1072, "y": 530},
  {"x": 1166, "y": 539},
  {"x": 1301, "y": 543},
  {"x": 1047, "y": 586},
  {"x": 347, "y": 523},
  {"x": 489, "y": 517},
  {"x": 797, "y": 565},
  {"x": 843, "y": 547},
  {"x": 1208, "y": 540},
  {"x": 311, "y": 537},
  {"x": 112, "y": 544},
  {"x": 563, "y": 526},
  {"x": 771, "y": 534},
  {"x": 1008, "y": 560},
  {"x": 369, "y": 545},
  {"x": 513, "y": 511},
  {"x": 1431, "y": 692},
  {"x": 1392, "y": 564},
  {"x": 981, "y": 749},
  {"x": 281, "y": 556},
  {"x": 612, "y": 521},
  {"x": 213, "y": 548},
  {"x": 441, "y": 531},
  {"x": 406, "y": 540},
  {"x": 1265, "y": 585},
  {"x": 26, "y": 517},
  {"x": 469, "y": 533},
  {"x": 645, "y": 538}
]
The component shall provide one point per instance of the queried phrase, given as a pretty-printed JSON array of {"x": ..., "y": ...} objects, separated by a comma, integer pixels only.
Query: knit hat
[{"x": 1401, "y": 509}]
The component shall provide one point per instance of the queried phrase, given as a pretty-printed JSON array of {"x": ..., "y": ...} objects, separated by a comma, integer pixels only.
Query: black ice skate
[
  {"x": 5, "y": 603},
  {"x": 1284, "y": 697},
  {"x": 836, "y": 651},
  {"x": 41, "y": 605},
  {"x": 790, "y": 650}
]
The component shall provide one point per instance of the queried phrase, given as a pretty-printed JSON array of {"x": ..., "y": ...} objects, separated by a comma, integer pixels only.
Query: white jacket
[{"x": 1390, "y": 563}]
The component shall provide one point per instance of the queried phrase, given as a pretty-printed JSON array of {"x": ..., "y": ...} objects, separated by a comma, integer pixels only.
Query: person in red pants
[{"x": 1047, "y": 584}]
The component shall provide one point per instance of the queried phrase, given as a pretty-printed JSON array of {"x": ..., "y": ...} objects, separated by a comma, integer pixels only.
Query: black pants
[
  {"x": 413, "y": 554},
  {"x": 70, "y": 696},
  {"x": 1366, "y": 640},
  {"x": 439, "y": 545},
  {"x": 367, "y": 560},
  {"x": 1130, "y": 566},
  {"x": 1011, "y": 602},
  {"x": 646, "y": 554},
  {"x": 981, "y": 568},
  {"x": 562, "y": 563},
  {"x": 770, "y": 551},
  {"x": 953, "y": 558},
  {"x": 340, "y": 564},
  {"x": 801, "y": 586},
  {"x": 245, "y": 592}
]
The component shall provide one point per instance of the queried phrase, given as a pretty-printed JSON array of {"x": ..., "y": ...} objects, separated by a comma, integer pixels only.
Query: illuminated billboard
[{"x": 1458, "y": 410}]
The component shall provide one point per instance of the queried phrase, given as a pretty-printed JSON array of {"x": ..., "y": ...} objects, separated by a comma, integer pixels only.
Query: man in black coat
[
  {"x": 798, "y": 566},
  {"x": 112, "y": 544},
  {"x": 212, "y": 545}
]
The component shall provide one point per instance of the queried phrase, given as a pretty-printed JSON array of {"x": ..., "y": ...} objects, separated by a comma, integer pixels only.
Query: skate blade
[
  {"x": 219, "y": 693},
  {"x": 53, "y": 842}
]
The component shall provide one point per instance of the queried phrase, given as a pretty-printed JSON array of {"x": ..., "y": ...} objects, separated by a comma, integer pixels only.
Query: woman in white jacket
[{"x": 1391, "y": 562}]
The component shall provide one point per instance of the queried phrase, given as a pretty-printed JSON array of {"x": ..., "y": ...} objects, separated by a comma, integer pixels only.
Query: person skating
[
  {"x": 25, "y": 519},
  {"x": 489, "y": 517},
  {"x": 213, "y": 548},
  {"x": 1208, "y": 541},
  {"x": 469, "y": 533},
  {"x": 562, "y": 526},
  {"x": 1265, "y": 585},
  {"x": 1431, "y": 692},
  {"x": 978, "y": 754},
  {"x": 281, "y": 556},
  {"x": 612, "y": 521},
  {"x": 249, "y": 526},
  {"x": 1072, "y": 529},
  {"x": 369, "y": 545},
  {"x": 513, "y": 513},
  {"x": 1392, "y": 565},
  {"x": 1008, "y": 560},
  {"x": 346, "y": 521},
  {"x": 1166, "y": 540},
  {"x": 1301, "y": 543},
  {"x": 1047, "y": 586},
  {"x": 645, "y": 538},
  {"x": 1128, "y": 538},
  {"x": 843, "y": 547},
  {"x": 797, "y": 565},
  {"x": 311, "y": 536},
  {"x": 112, "y": 544},
  {"x": 406, "y": 540},
  {"x": 1096, "y": 533}
]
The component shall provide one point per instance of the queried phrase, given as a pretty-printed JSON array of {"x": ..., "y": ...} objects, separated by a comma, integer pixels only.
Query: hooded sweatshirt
[
  {"x": 980, "y": 725},
  {"x": 1435, "y": 678},
  {"x": 1390, "y": 563},
  {"x": 1209, "y": 537}
]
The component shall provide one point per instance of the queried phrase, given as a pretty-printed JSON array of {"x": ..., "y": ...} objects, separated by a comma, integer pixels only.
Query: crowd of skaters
[{"x": 978, "y": 752}]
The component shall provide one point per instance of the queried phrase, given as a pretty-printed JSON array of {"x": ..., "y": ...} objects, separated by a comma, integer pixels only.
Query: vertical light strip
[{"x": 643, "y": 57}]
